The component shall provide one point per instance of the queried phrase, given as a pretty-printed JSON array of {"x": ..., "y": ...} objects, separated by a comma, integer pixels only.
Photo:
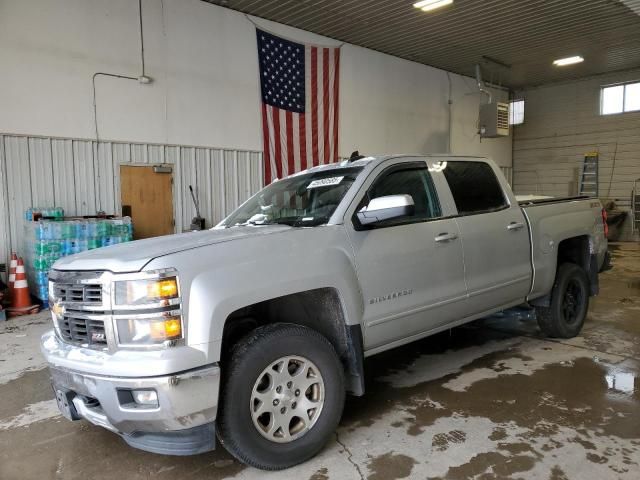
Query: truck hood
[{"x": 133, "y": 256}]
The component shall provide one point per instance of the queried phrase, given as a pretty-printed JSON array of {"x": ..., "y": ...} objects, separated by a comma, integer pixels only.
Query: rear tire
[
  {"x": 565, "y": 316},
  {"x": 293, "y": 375}
]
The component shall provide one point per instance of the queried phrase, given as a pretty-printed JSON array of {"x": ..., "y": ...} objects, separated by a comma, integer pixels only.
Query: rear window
[{"x": 475, "y": 187}]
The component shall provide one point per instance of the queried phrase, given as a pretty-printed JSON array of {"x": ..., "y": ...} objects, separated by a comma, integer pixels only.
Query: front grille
[
  {"x": 80, "y": 306},
  {"x": 81, "y": 330},
  {"x": 78, "y": 293}
]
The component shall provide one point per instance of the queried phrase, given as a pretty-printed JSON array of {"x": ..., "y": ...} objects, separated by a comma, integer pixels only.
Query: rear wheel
[
  {"x": 569, "y": 303},
  {"x": 282, "y": 396}
]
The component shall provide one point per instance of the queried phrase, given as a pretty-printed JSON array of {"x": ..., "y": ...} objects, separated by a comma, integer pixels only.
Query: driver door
[{"x": 411, "y": 268}]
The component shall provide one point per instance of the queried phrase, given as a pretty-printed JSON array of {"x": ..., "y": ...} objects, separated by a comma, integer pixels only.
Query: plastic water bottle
[
  {"x": 42, "y": 277},
  {"x": 84, "y": 229},
  {"x": 92, "y": 230},
  {"x": 82, "y": 244},
  {"x": 55, "y": 246},
  {"x": 39, "y": 231},
  {"x": 103, "y": 229},
  {"x": 56, "y": 230},
  {"x": 41, "y": 247},
  {"x": 41, "y": 262},
  {"x": 68, "y": 230},
  {"x": 66, "y": 247}
]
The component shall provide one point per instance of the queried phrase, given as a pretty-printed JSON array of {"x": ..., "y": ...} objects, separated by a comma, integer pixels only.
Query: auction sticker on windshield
[{"x": 325, "y": 182}]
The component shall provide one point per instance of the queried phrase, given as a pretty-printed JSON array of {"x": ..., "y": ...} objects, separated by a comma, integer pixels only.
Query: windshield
[{"x": 304, "y": 200}]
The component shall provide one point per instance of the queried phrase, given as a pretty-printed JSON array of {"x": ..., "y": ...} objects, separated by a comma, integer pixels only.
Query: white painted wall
[
  {"x": 562, "y": 123},
  {"x": 203, "y": 60}
]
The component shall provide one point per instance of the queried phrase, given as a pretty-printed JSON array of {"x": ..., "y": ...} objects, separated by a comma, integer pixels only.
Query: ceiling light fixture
[
  {"x": 561, "y": 62},
  {"x": 428, "y": 5}
]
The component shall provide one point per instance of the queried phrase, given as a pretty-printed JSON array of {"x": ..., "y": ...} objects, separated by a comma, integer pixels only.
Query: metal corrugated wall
[
  {"x": 83, "y": 177},
  {"x": 508, "y": 174}
]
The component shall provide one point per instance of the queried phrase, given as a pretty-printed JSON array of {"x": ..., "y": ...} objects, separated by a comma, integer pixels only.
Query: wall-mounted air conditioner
[{"x": 494, "y": 120}]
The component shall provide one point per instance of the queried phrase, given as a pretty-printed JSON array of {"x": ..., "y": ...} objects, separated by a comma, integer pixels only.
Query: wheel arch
[
  {"x": 320, "y": 309},
  {"x": 580, "y": 250}
]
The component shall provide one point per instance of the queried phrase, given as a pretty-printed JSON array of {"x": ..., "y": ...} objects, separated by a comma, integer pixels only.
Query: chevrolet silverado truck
[{"x": 254, "y": 331}]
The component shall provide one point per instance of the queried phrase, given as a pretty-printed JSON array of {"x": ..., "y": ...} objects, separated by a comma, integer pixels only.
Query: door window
[
  {"x": 474, "y": 187},
  {"x": 403, "y": 180}
]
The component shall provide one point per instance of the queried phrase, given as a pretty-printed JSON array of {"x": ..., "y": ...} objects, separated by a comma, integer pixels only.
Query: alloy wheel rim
[
  {"x": 287, "y": 399},
  {"x": 571, "y": 302}
]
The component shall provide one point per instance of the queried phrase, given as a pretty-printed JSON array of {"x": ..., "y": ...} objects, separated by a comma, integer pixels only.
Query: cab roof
[{"x": 373, "y": 160}]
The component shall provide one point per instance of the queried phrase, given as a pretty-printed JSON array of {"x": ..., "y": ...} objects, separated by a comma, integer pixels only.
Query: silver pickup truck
[{"x": 255, "y": 330}]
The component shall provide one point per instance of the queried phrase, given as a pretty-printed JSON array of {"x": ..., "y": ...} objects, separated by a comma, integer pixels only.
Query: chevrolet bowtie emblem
[{"x": 57, "y": 309}]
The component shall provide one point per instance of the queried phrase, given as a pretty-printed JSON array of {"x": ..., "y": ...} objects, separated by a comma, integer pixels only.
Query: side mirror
[{"x": 386, "y": 208}]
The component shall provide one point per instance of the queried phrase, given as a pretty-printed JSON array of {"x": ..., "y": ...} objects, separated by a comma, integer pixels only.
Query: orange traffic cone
[
  {"x": 21, "y": 299},
  {"x": 12, "y": 271}
]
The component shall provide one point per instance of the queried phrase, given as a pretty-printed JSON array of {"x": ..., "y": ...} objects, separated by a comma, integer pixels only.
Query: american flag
[{"x": 299, "y": 85}]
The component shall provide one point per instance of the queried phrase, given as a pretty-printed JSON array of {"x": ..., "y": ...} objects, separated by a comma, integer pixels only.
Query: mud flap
[
  {"x": 355, "y": 370},
  {"x": 606, "y": 265},
  {"x": 594, "y": 283}
]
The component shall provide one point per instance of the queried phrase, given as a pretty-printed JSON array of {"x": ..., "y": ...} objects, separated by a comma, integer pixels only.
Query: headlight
[
  {"x": 140, "y": 292},
  {"x": 148, "y": 331}
]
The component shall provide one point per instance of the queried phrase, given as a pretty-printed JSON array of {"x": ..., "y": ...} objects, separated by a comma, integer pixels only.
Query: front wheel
[
  {"x": 569, "y": 303},
  {"x": 282, "y": 396}
]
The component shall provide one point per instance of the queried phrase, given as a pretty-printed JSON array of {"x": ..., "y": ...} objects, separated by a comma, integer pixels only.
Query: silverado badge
[{"x": 390, "y": 296}]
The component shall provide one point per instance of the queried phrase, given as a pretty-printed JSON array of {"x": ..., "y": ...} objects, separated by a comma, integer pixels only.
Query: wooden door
[{"x": 147, "y": 198}]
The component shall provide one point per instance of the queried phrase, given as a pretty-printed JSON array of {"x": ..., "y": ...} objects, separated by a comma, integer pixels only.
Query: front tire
[
  {"x": 282, "y": 396},
  {"x": 565, "y": 316}
]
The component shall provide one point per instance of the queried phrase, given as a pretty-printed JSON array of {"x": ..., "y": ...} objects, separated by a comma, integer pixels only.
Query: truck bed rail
[{"x": 546, "y": 201}]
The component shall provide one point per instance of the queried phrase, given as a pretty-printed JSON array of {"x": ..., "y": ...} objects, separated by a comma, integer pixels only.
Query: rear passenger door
[
  {"x": 410, "y": 268},
  {"x": 495, "y": 237}
]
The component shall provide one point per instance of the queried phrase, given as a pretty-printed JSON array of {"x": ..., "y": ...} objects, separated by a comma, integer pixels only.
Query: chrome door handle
[
  {"x": 446, "y": 237},
  {"x": 515, "y": 226}
]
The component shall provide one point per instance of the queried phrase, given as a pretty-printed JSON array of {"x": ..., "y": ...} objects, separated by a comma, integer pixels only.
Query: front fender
[{"x": 220, "y": 279}]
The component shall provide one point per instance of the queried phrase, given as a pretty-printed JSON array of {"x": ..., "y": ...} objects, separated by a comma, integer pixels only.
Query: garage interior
[{"x": 150, "y": 109}]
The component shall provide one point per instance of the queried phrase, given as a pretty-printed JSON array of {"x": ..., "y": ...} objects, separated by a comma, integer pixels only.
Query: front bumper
[{"x": 181, "y": 424}]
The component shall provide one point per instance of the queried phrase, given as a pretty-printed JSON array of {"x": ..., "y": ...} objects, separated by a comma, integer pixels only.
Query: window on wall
[
  {"x": 516, "y": 112},
  {"x": 620, "y": 98}
]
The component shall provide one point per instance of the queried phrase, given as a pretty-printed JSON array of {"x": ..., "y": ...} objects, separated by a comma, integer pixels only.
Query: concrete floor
[{"x": 490, "y": 400}]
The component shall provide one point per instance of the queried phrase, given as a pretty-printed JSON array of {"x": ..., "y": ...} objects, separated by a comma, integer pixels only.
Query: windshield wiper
[
  {"x": 290, "y": 221},
  {"x": 303, "y": 222}
]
